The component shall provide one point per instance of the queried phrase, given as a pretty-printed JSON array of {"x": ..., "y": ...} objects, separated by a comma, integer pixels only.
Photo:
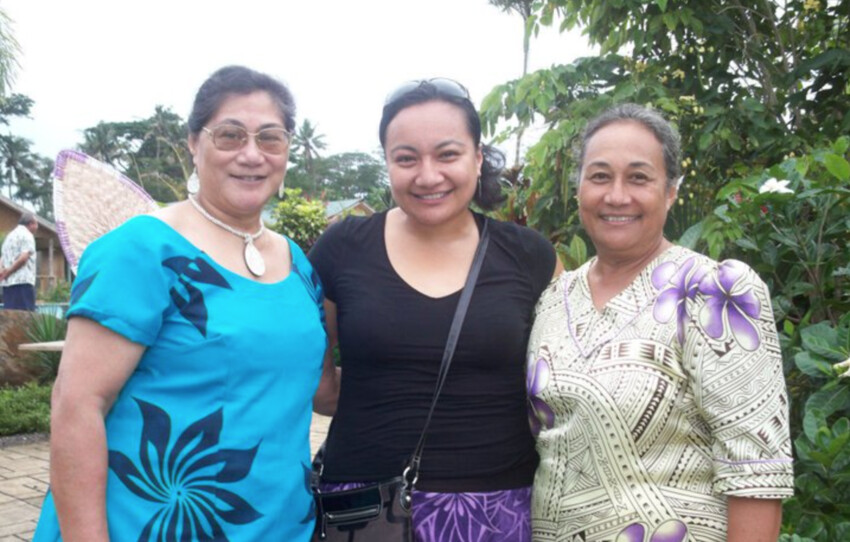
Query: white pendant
[{"x": 254, "y": 260}]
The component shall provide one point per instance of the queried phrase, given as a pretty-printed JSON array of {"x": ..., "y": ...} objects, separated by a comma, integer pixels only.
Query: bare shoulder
[{"x": 173, "y": 215}]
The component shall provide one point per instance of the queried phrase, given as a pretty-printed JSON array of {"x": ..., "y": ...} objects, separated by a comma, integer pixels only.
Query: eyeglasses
[
  {"x": 229, "y": 137},
  {"x": 448, "y": 87}
]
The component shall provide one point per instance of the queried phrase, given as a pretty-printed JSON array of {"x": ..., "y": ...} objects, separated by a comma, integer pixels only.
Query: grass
[{"x": 25, "y": 409}]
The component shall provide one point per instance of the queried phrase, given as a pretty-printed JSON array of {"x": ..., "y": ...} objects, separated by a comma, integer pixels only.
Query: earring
[
  {"x": 193, "y": 184},
  {"x": 480, "y": 190},
  {"x": 281, "y": 189}
]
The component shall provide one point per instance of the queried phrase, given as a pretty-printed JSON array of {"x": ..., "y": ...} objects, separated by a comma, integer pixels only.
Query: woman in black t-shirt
[{"x": 392, "y": 282}]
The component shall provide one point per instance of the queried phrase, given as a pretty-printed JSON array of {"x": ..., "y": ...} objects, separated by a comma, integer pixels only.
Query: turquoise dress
[{"x": 209, "y": 438}]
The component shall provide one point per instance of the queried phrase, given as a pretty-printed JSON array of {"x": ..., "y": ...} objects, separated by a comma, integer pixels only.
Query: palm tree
[
  {"x": 164, "y": 152},
  {"x": 104, "y": 143},
  {"x": 306, "y": 144},
  {"x": 9, "y": 50},
  {"x": 19, "y": 166}
]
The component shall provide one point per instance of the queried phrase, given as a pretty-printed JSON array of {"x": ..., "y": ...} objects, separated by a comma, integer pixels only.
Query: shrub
[
  {"x": 59, "y": 293},
  {"x": 45, "y": 328},
  {"x": 25, "y": 409},
  {"x": 300, "y": 219},
  {"x": 797, "y": 237}
]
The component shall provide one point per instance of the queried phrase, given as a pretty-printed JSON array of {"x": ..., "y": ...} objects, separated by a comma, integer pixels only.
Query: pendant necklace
[{"x": 253, "y": 258}]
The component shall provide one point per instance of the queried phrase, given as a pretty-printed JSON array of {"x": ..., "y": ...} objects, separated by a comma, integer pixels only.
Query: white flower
[
  {"x": 842, "y": 368},
  {"x": 775, "y": 187}
]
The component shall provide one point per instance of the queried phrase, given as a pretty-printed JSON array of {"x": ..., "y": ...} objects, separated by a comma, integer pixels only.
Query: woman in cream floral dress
[{"x": 655, "y": 375}]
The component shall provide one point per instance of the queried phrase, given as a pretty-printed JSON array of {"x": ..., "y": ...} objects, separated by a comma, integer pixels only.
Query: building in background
[
  {"x": 337, "y": 210},
  {"x": 51, "y": 266}
]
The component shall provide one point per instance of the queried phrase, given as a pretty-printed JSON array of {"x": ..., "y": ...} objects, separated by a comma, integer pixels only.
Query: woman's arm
[
  {"x": 753, "y": 520},
  {"x": 96, "y": 362},
  {"x": 324, "y": 402}
]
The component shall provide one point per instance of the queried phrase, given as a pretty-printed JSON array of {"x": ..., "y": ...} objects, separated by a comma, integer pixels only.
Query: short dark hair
[
  {"x": 665, "y": 132},
  {"x": 490, "y": 194},
  {"x": 27, "y": 218},
  {"x": 241, "y": 81}
]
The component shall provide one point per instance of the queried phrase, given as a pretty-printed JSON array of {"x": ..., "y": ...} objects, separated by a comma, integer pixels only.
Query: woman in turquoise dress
[{"x": 194, "y": 348}]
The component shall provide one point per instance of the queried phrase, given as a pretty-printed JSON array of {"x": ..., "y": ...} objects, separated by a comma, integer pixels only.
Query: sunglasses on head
[
  {"x": 230, "y": 137},
  {"x": 446, "y": 87}
]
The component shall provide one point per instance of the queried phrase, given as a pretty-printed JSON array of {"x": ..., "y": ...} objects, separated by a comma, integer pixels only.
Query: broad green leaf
[
  {"x": 662, "y": 4},
  {"x": 838, "y": 166},
  {"x": 813, "y": 365},
  {"x": 691, "y": 237},
  {"x": 812, "y": 421},
  {"x": 830, "y": 398},
  {"x": 578, "y": 251},
  {"x": 747, "y": 244},
  {"x": 841, "y": 460},
  {"x": 788, "y": 327},
  {"x": 822, "y": 339},
  {"x": 841, "y": 531}
]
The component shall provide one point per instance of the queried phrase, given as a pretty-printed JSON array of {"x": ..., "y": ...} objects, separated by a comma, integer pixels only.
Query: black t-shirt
[{"x": 391, "y": 340}]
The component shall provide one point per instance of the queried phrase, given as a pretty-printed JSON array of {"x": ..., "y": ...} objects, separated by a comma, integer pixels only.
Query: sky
[{"x": 87, "y": 61}]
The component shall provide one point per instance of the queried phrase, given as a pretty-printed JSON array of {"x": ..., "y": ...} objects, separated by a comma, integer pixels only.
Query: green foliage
[
  {"x": 820, "y": 508},
  {"x": 348, "y": 175},
  {"x": 59, "y": 293},
  {"x": 153, "y": 152},
  {"x": 800, "y": 245},
  {"x": 300, "y": 219},
  {"x": 746, "y": 83},
  {"x": 305, "y": 155},
  {"x": 24, "y": 173},
  {"x": 25, "y": 409},
  {"x": 45, "y": 328},
  {"x": 9, "y": 51}
]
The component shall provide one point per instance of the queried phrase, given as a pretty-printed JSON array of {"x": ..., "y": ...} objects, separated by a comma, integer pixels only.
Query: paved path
[{"x": 24, "y": 477}]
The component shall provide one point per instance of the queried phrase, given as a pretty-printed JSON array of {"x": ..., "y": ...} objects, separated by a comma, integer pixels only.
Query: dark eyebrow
[
  {"x": 448, "y": 142},
  {"x": 235, "y": 122},
  {"x": 402, "y": 148},
  {"x": 440, "y": 145}
]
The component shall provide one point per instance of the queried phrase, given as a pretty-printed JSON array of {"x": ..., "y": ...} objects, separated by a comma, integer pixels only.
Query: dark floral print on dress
[
  {"x": 314, "y": 287},
  {"x": 192, "y": 306},
  {"x": 540, "y": 415},
  {"x": 730, "y": 305},
  {"x": 81, "y": 287},
  {"x": 186, "y": 477},
  {"x": 672, "y": 530},
  {"x": 678, "y": 284}
]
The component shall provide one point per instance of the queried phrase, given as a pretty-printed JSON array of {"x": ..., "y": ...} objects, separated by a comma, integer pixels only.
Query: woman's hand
[
  {"x": 96, "y": 362},
  {"x": 325, "y": 400},
  {"x": 753, "y": 520}
]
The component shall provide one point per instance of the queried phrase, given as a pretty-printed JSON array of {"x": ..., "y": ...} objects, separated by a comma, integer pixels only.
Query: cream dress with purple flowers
[{"x": 654, "y": 410}]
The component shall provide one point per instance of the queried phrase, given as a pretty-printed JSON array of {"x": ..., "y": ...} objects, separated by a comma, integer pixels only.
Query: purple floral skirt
[{"x": 491, "y": 516}]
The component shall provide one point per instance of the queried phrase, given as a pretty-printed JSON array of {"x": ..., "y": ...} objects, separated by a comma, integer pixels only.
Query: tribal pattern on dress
[{"x": 653, "y": 410}]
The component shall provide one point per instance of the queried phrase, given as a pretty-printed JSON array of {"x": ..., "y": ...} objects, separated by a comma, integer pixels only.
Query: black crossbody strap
[{"x": 411, "y": 473}]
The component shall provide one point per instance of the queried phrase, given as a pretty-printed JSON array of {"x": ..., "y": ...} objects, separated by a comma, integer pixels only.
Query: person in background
[
  {"x": 655, "y": 374},
  {"x": 18, "y": 259},
  {"x": 392, "y": 283},
  {"x": 194, "y": 347}
]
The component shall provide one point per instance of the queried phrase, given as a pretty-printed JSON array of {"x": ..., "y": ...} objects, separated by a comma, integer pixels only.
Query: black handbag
[{"x": 381, "y": 511}]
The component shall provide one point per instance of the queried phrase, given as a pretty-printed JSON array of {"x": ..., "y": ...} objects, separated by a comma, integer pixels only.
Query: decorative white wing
[{"x": 91, "y": 198}]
